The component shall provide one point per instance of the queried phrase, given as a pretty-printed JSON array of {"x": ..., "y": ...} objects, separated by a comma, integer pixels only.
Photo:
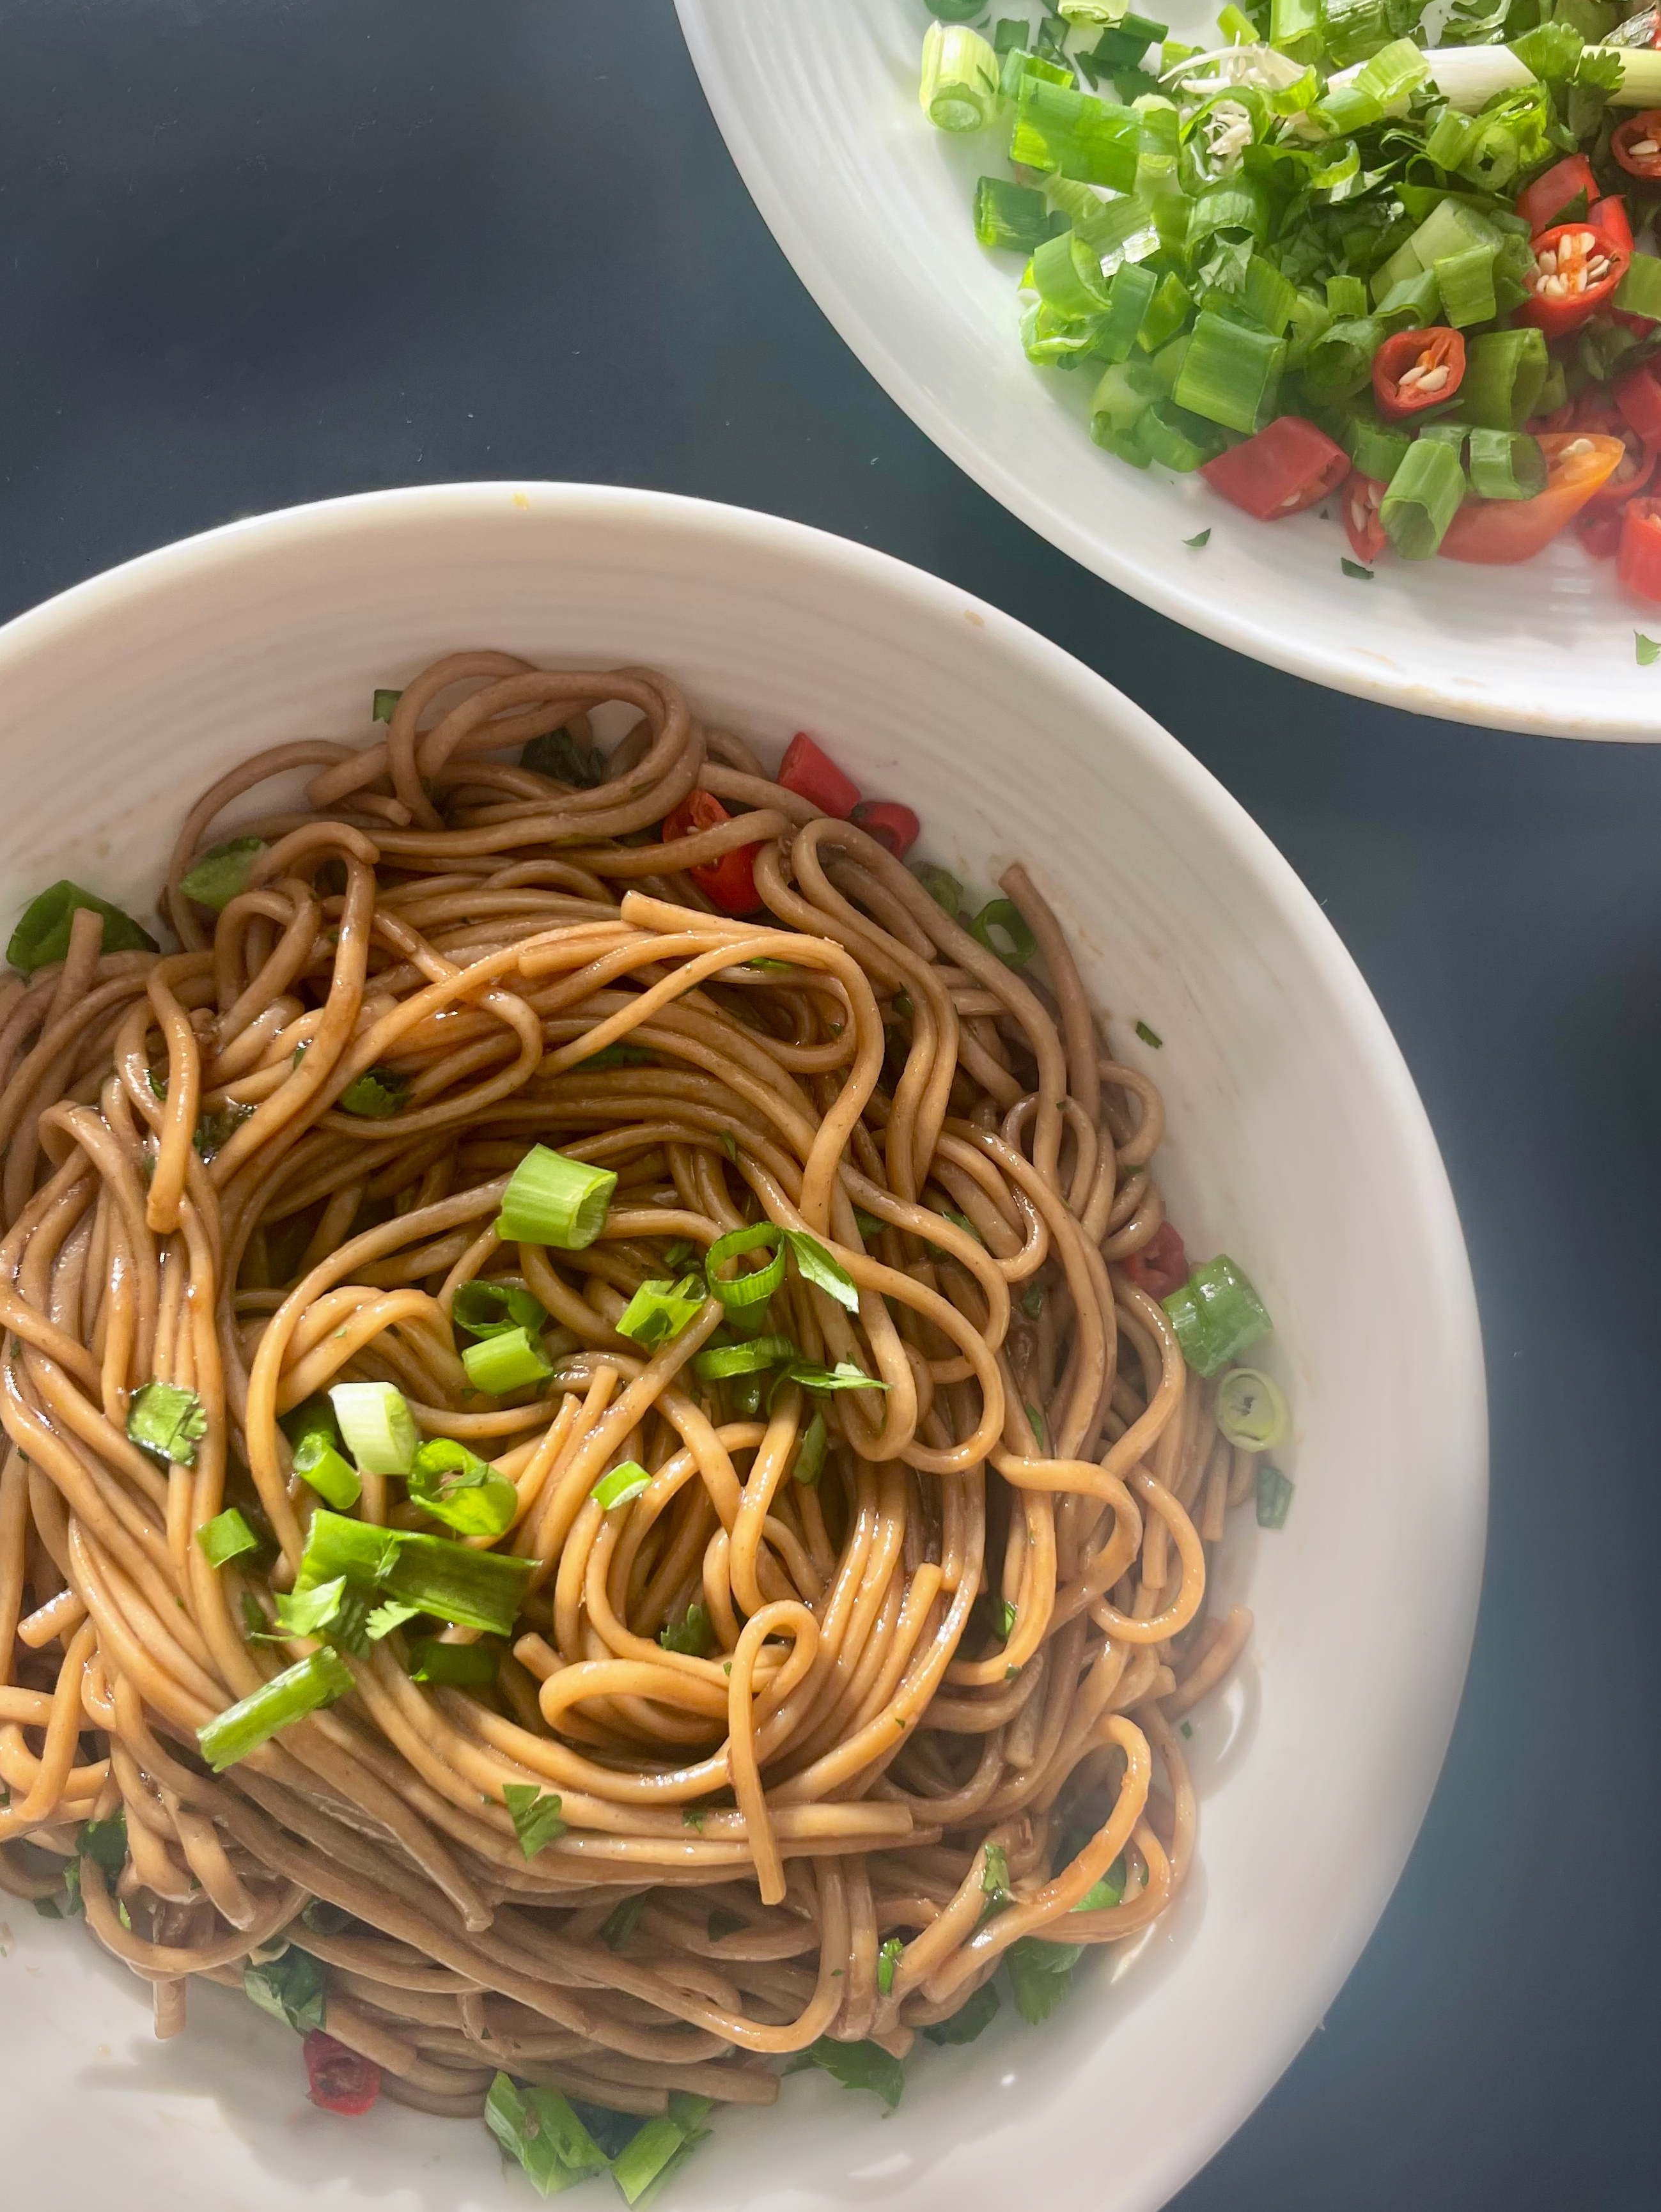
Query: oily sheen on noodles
[{"x": 856, "y": 1678}]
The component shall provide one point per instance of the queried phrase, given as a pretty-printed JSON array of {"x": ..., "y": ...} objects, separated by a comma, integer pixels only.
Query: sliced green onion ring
[
  {"x": 718, "y": 1361},
  {"x": 377, "y": 1426},
  {"x": 1004, "y": 915},
  {"x": 551, "y": 1200},
  {"x": 738, "y": 1291},
  {"x": 1252, "y": 1411}
]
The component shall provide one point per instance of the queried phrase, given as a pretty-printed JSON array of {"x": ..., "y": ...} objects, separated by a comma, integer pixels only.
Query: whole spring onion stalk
[{"x": 1468, "y": 77}]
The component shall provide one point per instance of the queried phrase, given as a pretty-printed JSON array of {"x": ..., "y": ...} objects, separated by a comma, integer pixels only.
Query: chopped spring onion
[
  {"x": 1648, "y": 652},
  {"x": 620, "y": 1924},
  {"x": 739, "y": 1291},
  {"x": 1040, "y": 1975},
  {"x": 620, "y": 1054},
  {"x": 1347, "y": 297},
  {"x": 1032, "y": 1301},
  {"x": 1105, "y": 1893},
  {"x": 1274, "y": 1497},
  {"x": 718, "y": 1361},
  {"x": 332, "y": 1609},
  {"x": 42, "y": 934},
  {"x": 972, "y": 2018},
  {"x": 222, "y": 873},
  {"x": 844, "y": 1376},
  {"x": 170, "y": 1422},
  {"x": 334, "y": 1478},
  {"x": 856, "y": 2066},
  {"x": 816, "y": 1265},
  {"x": 385, "y": 705},
  {"x": 488, "y": 1308},
  {"x": 513, "y": 1360},
  {"x": 253, "y": 1720},
  {"x": 959, "y": 86},
  {"x": 535, "y": 1815},
  {"x": 1505, "y": 371},
  {"x": 659, "y": 1312},
  {"x": 337, "y": 1546},
  {"x": 1376, "y": 451},
  {"x": 1010, "y": 215},
  {"x": 377, "y": 1425},
  {"x": 375, "y": 1096},
  {"x": 1639, "y": 290},
  {"x": 1067, "y": 275},
  {"x": 994, "y": 1872},
  {"x": 1216, "y": 1314},
  {"x": 458, "y": 1488},
  {"x": 1465, "y": 281},
  {"x": 809, "y": 1463},
  {"x": 290, "y": 1987},
  {"x": 625, "y": 1480},
  {"x": 1422, "y": 498},
  {"x": 694, "y": 1637},
  {"x": 887, "y": 1959},
  {"x": 1252, "y": 1411},
  {"x": 661, "y": 2146},
  {"x": 551, "y": 1200},
  {"x": 1506, "y": 464},
  {"x": 453, "y": 1666},
  {"x": 539, "y": 2128},
  {"x": 1150, "y": 1037},
  {"x": 1058, "y": 129},
  {"x": 942, "y": 886},
  {"x": 473, "y": 1589},
  {"x": 559, "y": 755},
  {"x": 226, "y": 1537},
  {"x": 1230, "y": 373},
  {"x": 1005, "y": 917}
]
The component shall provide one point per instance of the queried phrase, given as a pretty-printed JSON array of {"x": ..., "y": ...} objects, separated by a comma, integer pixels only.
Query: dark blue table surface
[{"x": 255, "y": 252}]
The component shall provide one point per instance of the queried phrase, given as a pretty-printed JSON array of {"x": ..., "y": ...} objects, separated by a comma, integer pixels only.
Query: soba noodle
[{"x": 933, "y": 1709}]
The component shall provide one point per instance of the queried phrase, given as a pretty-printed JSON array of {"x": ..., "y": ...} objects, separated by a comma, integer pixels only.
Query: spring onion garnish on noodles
[
  {"x": 1274, "y": 1497},
  {"x": 169, "y": 1421},
  {"x": 535, "y": 1814},
  {"x": 222, "y": 873},
  {"x": 492, "y": 1309},
  {"x": 624, "y": 1482},
  {"x": 453, "y": 1666},
  {"x": 376, "y": 1095},
  {"x": 377, "y": 1425},
  {"x": 226, "y": 1537},
  {"x": 658, "y": 1310},
  {"x": 512, "y": 1360},
  {"x": 409, "y": 1538},
  {"x": 551, "y": 1199},
  {"x": 536, "y": 2126},
  {"x": 1217, "y": 1315},
  {"x": 42, "y": 934},
  {"x": 299, "y": 1690},
  {"x": 461, "y": 1490},
  {"x": 1251, "y": 1409}
]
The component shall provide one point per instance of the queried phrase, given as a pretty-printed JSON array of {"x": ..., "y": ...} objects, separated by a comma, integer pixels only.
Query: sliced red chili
[
  {"x": 1610, "y": 216},
  {"x": 1551, "y": 197},
  {"x": 1637, "y": 395},
  {"x": 810, "y": 772},
  {"x": 1161, "y": 1266},
  {"x": 1637, "y": 143},
  {"x": 1637, "y": 466},
  {"x": 342, "y": 2081},
  {"x": 1494, "y": 531},
  {"x": 1286, "y": 468},
  {"x": 1599, "y": 529},
  {"x": 1367, "y": 535},
  {"x": 1417, "y": 369},
  {"x": 894, "y": 827},
  {"x": 1576, "y": 270},
  {"x": 730, "y": 880},
  {"x": 1638, "y": 563}
]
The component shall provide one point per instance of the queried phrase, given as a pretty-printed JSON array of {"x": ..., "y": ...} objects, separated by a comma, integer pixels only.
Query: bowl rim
[
  {"x": 1514, "y": 707},
  {"x": 1455, "y": 1340}
]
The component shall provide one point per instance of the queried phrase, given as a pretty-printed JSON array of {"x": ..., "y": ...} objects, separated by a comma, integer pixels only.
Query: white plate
[
  {"x": 818, "y": 107},
  {"x": 1297, "y": 1143}
]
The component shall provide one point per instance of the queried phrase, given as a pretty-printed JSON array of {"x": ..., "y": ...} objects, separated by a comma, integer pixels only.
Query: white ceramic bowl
[
  {"x": 1297, "y": 1143},
  {"x": 818, "y": 107}
]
